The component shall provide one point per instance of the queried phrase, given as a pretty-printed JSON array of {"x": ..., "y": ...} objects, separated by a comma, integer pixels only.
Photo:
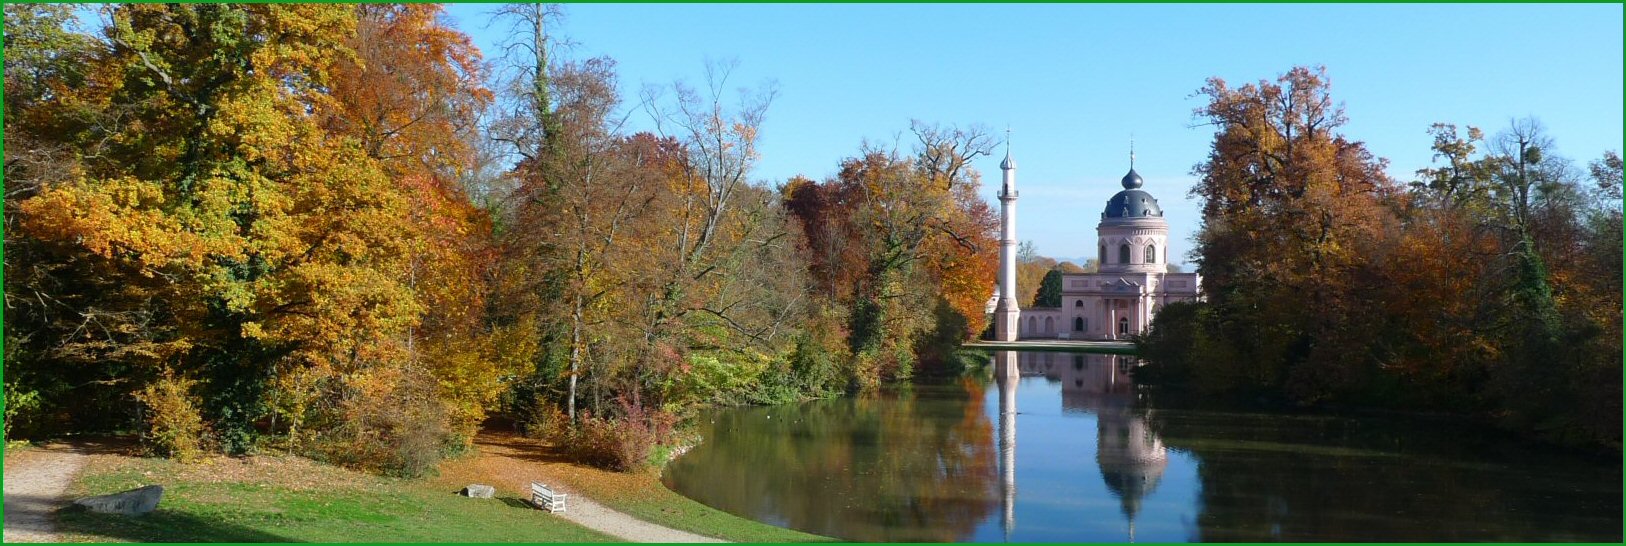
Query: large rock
[
  {"x": 134, "y": 502},
  {"x": 477, "y": 491}
]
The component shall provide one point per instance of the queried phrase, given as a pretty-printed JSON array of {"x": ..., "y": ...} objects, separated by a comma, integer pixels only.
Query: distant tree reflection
[{"x": 871, "y": 469}]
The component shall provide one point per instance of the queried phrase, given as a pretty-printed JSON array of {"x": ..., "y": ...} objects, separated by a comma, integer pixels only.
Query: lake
[{"x": 1072, "y": 451}]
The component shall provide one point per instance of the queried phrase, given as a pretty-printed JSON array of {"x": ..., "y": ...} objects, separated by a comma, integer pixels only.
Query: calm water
[{"x": 1079, "y": 459}]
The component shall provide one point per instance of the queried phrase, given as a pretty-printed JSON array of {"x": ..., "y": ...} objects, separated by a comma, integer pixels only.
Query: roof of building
[
  {"x": 1130, "y": 469},
  {"x": 1132, "y": 203},
  {"x": 1133, "y": 180}
]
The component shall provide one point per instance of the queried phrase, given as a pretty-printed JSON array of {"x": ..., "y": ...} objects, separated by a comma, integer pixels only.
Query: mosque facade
[{"x": 1120, "y": 299}]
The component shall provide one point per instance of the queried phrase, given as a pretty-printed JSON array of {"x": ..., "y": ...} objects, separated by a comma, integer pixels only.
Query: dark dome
[
  {"x": 1132, "y": 204},
  {"x": 1133, "y": 180}
]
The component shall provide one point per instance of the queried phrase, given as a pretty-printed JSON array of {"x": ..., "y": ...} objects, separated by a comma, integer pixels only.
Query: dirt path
[
  {"x": 511, "y": 463},
  {"x": 597, "y": 517},
  {"x": 36, "y": 480}
]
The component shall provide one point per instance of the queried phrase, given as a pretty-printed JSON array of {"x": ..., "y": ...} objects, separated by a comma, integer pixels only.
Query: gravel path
[
  {"x": 597, "y": 517},
  {"x": 511, "y": 463},
  {"x": 36, "y": 480}
]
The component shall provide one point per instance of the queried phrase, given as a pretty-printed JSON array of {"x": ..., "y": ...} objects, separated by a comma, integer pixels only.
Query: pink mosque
[{"x": 1117, "y": 301}]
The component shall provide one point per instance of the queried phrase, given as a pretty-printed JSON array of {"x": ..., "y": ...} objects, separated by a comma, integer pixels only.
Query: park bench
[{"x": 547, "y": 499}]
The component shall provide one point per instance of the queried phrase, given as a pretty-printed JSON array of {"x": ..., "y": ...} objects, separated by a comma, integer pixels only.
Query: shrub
[
  {"x": 709, "y": 379},
  {"x": 174, "y": 425},
  {"x": 778, "y": 384},
  {"x": 392, "y": 424},
  {"x": 546, "y": 421},
  {"x": 1169, "y": 346},
  {"x": 814, "y": 367},
  {"x": 19, "y": 404},
  {"x": 626, "y": 444}
]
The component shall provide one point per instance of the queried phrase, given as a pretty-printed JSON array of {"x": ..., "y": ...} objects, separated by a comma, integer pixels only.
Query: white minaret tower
[{"x": 1007, "y": 316}]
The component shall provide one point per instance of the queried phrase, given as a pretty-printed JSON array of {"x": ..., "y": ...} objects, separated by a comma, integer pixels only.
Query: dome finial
[
  {"x": 1008, "y": 164},
  {"x": 1132, "y": 180}
]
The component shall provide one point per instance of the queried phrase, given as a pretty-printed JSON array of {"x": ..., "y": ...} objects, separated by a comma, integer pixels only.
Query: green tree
[{"x": 1050, "y": 290}]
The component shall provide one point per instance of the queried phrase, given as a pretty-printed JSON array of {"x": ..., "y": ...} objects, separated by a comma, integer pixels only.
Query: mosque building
[{"x": 1117, "y": 301}]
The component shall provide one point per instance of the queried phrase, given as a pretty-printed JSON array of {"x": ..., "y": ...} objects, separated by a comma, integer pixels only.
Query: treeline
[
  {"x": 1490, "y": 286},
  {"x": 338, "y": 230}
]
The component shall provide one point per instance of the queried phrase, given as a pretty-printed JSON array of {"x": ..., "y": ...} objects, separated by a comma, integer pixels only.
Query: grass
[
  {"x": 511, "y": 462},
  {"x": 290, "y": 499},
  {"x": 679, "y": 512}
]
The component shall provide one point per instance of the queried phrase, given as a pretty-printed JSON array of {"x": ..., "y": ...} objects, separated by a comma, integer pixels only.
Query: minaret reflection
[
  {"x": 1131, "y": 457},
  {"x": 1007, "y": 374}
]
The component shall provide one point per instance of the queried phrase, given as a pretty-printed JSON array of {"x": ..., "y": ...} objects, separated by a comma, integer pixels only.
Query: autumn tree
[
  {"x": 412, "y": 97},
  {"x": 659, "y": 251},
  {"x": 1279, "y": 167},
  {"x": 1031, "y": 269},
  {"x": 718, "y": 217},
  {"x": 1478, "y": 291},
  {"x": 1048, "y": 293},
  {"x": 261, "y": 228},
  {"x": 44, "y": 58},
  {"x": 583, "y": 201},
  {"x": 220, "y": 235},
  {"x": 916, "y": 231},
  {"x": 529, "y": 124}
]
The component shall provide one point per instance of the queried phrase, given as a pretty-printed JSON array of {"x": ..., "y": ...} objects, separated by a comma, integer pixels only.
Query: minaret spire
[
  {"x": 1131, "y": 151},
  {"x": 1008, "y": 164},
  {"x": 1007, "y": 312}
]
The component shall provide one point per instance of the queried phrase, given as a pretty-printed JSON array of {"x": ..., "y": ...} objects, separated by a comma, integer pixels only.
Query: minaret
[{"x": 1007, "y": 316}]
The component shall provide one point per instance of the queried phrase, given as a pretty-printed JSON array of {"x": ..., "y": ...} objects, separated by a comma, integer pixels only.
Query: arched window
[
  {"x": 1103, "y": 256},
  {"x": 1151, "y": 254},
  {"x": 1078, "y": 324},
  {"x": 1078, "y": 303},
  {"x": 1050, "y": 325},
  {"x": 1123, "y": 254},
  {"x": 1123, "y": 326},
  {"x": 1033, "y": 325}
]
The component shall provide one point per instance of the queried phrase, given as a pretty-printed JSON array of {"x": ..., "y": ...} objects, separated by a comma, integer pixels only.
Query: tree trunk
[{"x": 575, "y": 353}]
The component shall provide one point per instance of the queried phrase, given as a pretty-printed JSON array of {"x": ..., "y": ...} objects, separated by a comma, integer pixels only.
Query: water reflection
[
  {"x": 1006, "y": 375},
  {"x": 1128, "y": 453},
  {"x": 941, "y": 464},
  {"x": 914, "y": 465}
]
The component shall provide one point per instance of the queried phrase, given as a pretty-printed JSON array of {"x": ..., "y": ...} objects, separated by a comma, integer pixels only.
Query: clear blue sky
[{"x": 1074, "y": 81}]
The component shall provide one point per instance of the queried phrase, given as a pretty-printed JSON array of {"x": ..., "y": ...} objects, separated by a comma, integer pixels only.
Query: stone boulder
[
  {"x": 134, "y": 502},
  {"x": 477, "y": 491}
]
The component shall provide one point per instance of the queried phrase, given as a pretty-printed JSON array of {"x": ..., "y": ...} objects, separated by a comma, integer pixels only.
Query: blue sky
[{"x": 1073, "y": 82}]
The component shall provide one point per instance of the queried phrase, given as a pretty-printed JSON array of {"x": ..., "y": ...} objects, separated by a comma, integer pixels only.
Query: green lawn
[
  {"x": 511, "y": 462},
  {"x": 290, "y": 499},
  {"x": 679, "y": 512}
]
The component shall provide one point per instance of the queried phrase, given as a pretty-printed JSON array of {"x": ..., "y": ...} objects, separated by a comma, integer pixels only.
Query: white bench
[{"x": 547, "y": 499}]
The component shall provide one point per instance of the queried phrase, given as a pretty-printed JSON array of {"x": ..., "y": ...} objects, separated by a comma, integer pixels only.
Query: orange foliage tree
[
  {"x": 1477, "y": 291},
  {"x": 907, "y": 246}
]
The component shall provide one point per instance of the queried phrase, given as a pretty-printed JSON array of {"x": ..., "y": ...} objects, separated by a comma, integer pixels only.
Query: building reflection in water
[
  {"x": 1006, "y": 374},
  {"x": 1130, "y": 456}
]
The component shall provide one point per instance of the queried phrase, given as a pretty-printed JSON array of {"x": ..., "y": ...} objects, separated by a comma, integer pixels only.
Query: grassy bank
[
  {"x": 284, "y": 499},
  {"x": 511, "y": 462}
]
